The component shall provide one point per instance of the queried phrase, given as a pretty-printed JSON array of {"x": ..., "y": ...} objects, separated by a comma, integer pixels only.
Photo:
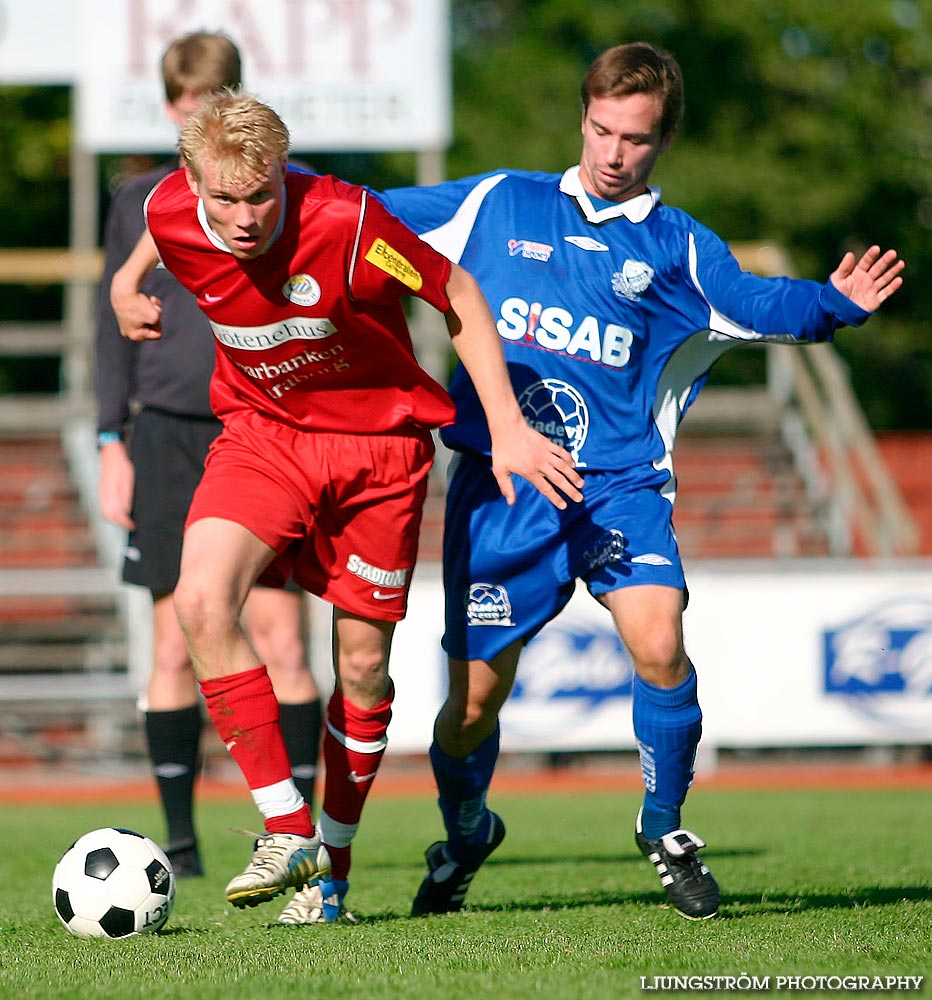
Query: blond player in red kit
[{"x": 321, "y": 469}]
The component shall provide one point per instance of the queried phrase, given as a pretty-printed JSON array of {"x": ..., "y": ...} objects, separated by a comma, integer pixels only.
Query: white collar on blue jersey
[
  {"x": 220, "y": 245},
  {"x": 635, "y": 209}
]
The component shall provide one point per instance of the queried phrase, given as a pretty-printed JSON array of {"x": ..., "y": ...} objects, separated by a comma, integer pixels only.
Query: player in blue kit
[{"x": 612, "y": 307}]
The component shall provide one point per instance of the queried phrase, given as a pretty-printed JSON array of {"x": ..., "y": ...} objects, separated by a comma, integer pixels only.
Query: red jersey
[{"x": 312, "y": 332}]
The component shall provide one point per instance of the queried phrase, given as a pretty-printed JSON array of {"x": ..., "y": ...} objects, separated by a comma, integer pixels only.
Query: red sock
[
  {"x": 354, "y": 744},
  {"x": 244, "y": 711},
  {"x": 341, "y": 859},
  {"x": 298, "y": 822}
]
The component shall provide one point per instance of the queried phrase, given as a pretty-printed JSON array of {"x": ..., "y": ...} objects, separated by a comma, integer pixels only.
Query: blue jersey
[{"x": 610, "y": 315}]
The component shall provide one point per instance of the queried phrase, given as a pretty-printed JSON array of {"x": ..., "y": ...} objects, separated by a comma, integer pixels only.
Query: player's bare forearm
[
  {"x": 516, "y": 447},
  {"x": 138, "y": 315},
  {"x": 870, "y": 280}
]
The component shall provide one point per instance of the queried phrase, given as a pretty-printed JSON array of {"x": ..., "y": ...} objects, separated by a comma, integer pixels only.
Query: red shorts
[{"x": 343, "y": 511}]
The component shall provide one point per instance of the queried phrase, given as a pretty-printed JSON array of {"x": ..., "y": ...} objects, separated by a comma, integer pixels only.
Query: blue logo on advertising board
[
  {"x": 881, "y": 662},
  {"x": 574, "y": 662}
]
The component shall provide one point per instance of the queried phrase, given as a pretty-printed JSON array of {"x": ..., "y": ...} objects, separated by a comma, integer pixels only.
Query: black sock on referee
[
  {"x": 300, "y": 726},
  {"x": 174, "y": 740}
]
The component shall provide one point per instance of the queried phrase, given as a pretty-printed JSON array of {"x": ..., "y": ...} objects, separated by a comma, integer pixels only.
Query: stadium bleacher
[{"x": 746, "y": 490}]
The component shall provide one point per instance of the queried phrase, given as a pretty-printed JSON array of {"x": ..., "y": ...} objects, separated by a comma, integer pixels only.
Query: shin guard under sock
[
  {"x": 667, "y": 725},
  {"x": 354, "y": 744},
  {"x": 174, "y": 739},
  {"x": 244, "y": 711},
  {"x": 463, "y": 784}
]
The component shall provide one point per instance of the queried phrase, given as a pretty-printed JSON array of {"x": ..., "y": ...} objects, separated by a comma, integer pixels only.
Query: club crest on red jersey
[{"x": 301, "y": 289}]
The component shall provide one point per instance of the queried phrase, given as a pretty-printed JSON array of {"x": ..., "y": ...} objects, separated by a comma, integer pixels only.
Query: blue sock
[
  {"x": 667, "y": 725},
  {"x": 463, "y": 783}
]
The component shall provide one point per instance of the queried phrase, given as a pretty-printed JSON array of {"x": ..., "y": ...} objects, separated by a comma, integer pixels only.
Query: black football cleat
[
  {"x": 185, "y": 858},
  {"x": 689, "y": 885},
  {"x": 446, "y": 883}
]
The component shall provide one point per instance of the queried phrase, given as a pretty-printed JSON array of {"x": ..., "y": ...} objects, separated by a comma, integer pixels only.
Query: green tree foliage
[
  {"x": 808, "y": 122},
  {"x": 35, "y": 137}
]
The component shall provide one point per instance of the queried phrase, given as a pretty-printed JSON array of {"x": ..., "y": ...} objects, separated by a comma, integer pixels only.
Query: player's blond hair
[
  {"x": 237, "y": 133},
  {"x": 637, "y": 68},
  {"x": 200, "y": 63}
]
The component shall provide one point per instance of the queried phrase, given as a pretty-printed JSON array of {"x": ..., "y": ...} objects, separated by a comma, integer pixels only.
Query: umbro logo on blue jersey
[
  {"x": 586, "y": 243},
  {"x": 652, "y": 559}
]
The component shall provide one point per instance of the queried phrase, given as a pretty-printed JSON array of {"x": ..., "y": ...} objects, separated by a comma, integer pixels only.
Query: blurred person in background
[
  {"x": 611, "y": 307},
  {"x": 155, "y": 426}
]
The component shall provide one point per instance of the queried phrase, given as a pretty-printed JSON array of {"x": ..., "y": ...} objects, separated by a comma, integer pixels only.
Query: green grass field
[{"x": 830, "y": 883}]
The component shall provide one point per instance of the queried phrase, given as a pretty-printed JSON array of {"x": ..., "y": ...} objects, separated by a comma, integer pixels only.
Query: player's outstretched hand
[
  {"x": 537, "y": 459},
  {"x": 139, "y": 316},
  {"x": 870, "y": 281}
]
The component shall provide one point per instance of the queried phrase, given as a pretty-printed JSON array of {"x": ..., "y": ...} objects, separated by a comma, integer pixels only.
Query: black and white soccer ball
[{"x": 113, "y": 883}]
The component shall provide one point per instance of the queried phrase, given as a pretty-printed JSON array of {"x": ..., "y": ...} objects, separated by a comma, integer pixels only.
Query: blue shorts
[{"x": 507, "y": 571}]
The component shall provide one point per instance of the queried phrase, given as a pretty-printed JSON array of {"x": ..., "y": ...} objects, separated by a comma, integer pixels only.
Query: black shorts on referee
[{"x": 167, "y": 451}]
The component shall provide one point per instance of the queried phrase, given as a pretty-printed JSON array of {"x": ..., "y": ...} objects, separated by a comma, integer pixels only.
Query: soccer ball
[{"x": 113, "y": 883}]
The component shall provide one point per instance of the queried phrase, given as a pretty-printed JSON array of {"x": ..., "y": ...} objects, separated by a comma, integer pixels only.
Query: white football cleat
[{"x": 280, "y": 861}]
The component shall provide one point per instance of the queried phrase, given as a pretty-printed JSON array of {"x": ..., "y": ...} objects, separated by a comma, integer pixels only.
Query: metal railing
[
  {"x": 95, "y": 671},
  {"x": 833, "y": 447},
  {"x": 71, "y": 340}
]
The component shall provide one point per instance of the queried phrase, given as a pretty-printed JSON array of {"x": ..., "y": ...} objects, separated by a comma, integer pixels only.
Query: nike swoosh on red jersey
[{"x": 379, "y": 596}]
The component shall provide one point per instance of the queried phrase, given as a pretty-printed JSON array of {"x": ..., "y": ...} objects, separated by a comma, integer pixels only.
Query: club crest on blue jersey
[
  {"x": 529, "y": 249},
  {"x": 633, "y": 280},
  {"x": 880, "y": 663},
  {"x": 488, "y": 604},
  {"x": 608, "y": 549},
  {"x": 557, "y": 410}
]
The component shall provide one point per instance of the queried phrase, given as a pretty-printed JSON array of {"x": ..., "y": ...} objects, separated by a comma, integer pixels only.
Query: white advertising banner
[
  {"x": 37, "y": 41},
  {"x": 814, "y": 654},
  {"x": 345, "y": 75}
]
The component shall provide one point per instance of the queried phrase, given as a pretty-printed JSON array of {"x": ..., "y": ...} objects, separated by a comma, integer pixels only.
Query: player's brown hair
[
  {"x": 637, "y": 68},
  {"x": 239, "y": 134},
  {"x": 199, "y": 63}
]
